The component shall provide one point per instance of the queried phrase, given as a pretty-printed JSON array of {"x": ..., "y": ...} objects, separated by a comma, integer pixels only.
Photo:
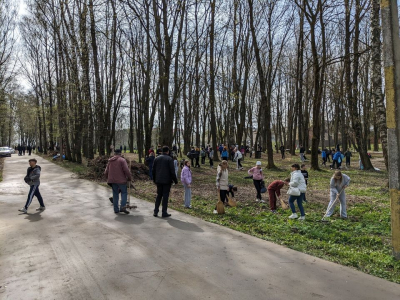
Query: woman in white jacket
[{"x": 297, "y": 192}]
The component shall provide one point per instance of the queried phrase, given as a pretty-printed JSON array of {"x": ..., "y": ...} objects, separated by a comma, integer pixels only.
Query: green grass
[{"x": 362, "y": 241}]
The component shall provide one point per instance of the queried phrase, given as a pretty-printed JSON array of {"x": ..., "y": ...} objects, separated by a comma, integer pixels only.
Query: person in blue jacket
[
  {"x": 337, "y": 160},
  {"x": 224, "y": 154},
  {"x": 324, "y": 157}
]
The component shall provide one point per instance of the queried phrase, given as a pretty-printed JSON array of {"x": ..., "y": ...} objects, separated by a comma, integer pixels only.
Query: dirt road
[{"x": 79, "y": 249}]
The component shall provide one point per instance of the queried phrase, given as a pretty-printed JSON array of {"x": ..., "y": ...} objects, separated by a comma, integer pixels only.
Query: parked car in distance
[
  {"x": 12, "y": 150},
  {"x": 5, "y": 152}
]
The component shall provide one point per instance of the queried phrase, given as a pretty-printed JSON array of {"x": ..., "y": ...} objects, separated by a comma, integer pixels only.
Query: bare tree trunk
[{"x": 377, "y": 94}]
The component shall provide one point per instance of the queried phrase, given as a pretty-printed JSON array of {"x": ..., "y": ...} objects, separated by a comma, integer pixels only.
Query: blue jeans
[
  {"x": 299, "y": 203},
  {"x": 124, "y": 195}
]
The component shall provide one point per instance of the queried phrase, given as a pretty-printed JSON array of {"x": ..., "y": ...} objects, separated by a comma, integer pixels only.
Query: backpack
[
  {"x": 239, "y": 155},
  {"x": 202, "y": 153}
]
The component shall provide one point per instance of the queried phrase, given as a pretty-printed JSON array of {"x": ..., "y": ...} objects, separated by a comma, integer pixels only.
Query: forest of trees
[{"x": 201, "y": 71}]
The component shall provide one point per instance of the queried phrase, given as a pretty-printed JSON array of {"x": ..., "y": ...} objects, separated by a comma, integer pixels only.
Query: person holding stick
[
  {"x": 222, "y": 182},
  {"x": 274, "y": 191},
  {"x": 339, "y": 182}
]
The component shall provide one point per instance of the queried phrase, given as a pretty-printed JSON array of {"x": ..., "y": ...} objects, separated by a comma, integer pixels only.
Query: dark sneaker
[
  {"x": 124, "y": 210},
  {"x": 166, "y": 215},
  {"x": 111, "y": 200},
  {"x": 155, "y": 214}
]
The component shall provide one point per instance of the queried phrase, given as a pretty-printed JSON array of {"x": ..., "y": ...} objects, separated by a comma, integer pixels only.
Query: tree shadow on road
[
  {"x": 34, "y": 217},
  {"x": 129, "y": 219},
  {"x": 187, "y": 226}
]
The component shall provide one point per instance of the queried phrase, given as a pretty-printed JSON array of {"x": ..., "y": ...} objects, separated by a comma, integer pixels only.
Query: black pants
[
  {"x": 162, "y": 193},
  {"x": 347, "y": 161},
  {"x": 222, "y": 194},
  {"x": 283, "y": 154},
  {"x": 197, "y": 162},
  {"x": 203, "y": 160},
  {"x": 257, "y": 184},
  {"x": 211, "y": 162},
  {"x": 239, "y": 164},
  {"x": 324, "y": 161}
]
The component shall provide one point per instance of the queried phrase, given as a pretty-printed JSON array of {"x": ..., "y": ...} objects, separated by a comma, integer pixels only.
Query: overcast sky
[{"x": 21, "y": 11}]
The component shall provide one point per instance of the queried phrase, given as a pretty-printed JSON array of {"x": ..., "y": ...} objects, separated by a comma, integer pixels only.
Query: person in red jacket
[
  {"x": 118, "y": 174},
  {"x": 275, "y": 188}
]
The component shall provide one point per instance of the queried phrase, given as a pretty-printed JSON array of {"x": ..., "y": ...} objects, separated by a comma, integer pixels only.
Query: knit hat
[{"x": 258, "y": 163}]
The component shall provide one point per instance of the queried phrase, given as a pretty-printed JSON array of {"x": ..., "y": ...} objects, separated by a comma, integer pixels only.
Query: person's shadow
[
  {"x": 34, "y": 217},
  {"x": 187, "y": 226},
  {"x": 129, "y": 219}
]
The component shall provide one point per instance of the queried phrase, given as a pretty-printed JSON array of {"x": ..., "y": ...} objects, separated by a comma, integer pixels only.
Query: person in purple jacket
[{"x": 186, "y": 178}]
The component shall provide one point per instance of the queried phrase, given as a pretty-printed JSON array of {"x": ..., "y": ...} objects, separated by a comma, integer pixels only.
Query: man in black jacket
[{"x": 163, "y": 176}]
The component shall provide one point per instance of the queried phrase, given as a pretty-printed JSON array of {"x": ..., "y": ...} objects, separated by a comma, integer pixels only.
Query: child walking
[
  {"x": 257, "y": 178},
  {"x": 33, "y": 179},
  {"x": 238, "y": 158},
  {"x": 186, "y": 178}
]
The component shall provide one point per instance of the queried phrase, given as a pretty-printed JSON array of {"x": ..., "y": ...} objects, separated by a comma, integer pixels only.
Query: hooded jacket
[
  {"x": 257, "y": 173},
  {"x": 337, "y": 156},
  {"x": 338, "y": 187},
  {"x": 297, "y": 180},
  {"x": 33, "y": 175},
  {"x": 186, "y": 176},
  {"x": 117, "y": 170}
]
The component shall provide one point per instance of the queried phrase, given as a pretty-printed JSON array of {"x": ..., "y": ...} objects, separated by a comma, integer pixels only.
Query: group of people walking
[{"x": 22, "y": 149}]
